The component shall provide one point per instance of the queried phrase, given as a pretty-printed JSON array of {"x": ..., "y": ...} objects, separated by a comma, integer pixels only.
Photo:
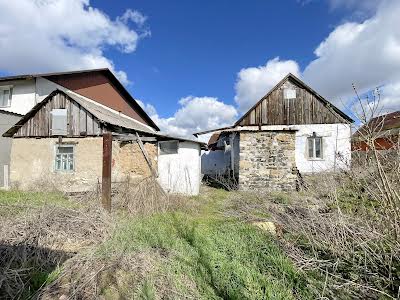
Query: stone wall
[
  {"x": 267, "y": 160},
  {"x": 32, "y": 163}
]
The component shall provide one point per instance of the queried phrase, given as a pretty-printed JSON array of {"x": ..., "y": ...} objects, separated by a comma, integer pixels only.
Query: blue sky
[
  {"x": 196, "y": 65},
  {"x": 197, "y": 47}
]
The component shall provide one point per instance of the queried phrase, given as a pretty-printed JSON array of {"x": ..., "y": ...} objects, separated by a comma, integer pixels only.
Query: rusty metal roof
[{"x": 387, "y": 124}]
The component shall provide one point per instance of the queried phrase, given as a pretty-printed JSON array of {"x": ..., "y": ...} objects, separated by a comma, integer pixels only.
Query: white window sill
[{"x": 315, "y": 159}]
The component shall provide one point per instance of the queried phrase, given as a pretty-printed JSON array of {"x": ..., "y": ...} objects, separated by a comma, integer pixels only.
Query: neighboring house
[
  {"x": 292, "y": 128},
  {"x": 383, "y": 131},
  {"x": 59, "y": 140},
  {"x": 7, "y": 119}
]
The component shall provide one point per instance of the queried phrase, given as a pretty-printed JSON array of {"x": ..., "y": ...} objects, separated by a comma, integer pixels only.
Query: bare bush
[
  {"x": 146, "y": 196},
  {"x": 38, "y": 240}
]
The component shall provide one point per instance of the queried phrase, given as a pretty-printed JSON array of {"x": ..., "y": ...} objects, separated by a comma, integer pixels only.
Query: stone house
[
  {"x": 60, "y": 139},
  {"x": 291, "y": 130}
]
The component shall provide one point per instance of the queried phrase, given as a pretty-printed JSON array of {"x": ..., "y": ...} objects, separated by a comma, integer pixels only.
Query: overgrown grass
[
  {"x": 200, "y": 254},
  {"x": 14, "y": 201}
]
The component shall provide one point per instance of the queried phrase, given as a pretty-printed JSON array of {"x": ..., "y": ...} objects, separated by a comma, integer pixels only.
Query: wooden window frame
[
  {"x": 61, "y": 170},
  {"x": 313, "y": 140}
]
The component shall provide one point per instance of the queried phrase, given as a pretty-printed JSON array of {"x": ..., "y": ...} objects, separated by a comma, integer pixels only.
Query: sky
[{"x": 197, "y": 65}]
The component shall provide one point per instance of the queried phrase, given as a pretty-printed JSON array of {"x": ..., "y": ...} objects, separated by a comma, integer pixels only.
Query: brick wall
[{"x": 267, "y": 161}]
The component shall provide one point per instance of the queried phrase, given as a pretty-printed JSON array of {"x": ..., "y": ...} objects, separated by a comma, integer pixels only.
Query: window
[
  {"x": 169, "y": 147},
  {"x": 59, "y": 123},
  {"x": 315, "y": 147},
  {"x": 5, "y": 96},
  {"x": 64, "y": 160},
  {"x": 289, "y": 93}
]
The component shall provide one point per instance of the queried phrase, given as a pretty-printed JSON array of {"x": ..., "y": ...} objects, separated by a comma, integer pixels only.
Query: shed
[{"x": 60, "y": 142}]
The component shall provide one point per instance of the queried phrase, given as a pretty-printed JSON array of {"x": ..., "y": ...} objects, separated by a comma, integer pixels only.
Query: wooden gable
[
  {"x": 102, "y": 86},
  {"x": 38, "y": 122},
  {"x": 307, "y": 107}
]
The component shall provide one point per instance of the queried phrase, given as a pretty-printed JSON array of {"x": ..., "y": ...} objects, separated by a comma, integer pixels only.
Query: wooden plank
[
  {"x": 146, "y": 156},
  {"x": 82, "y": 121},
  {"x": 89, "y": 124},
  {"x": 106, "y": 172}
]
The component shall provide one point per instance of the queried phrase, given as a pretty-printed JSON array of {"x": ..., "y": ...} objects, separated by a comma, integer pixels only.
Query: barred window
[{"x": 64, "y": 160}]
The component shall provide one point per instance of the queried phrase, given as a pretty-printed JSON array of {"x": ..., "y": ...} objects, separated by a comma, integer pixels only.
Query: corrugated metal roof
[{"x": 108, "y": 115}]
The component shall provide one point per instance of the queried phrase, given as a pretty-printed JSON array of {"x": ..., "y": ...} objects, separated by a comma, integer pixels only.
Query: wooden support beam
[
  {"x": 106, "y": 176},
  {"x": 148, "y": 160}
]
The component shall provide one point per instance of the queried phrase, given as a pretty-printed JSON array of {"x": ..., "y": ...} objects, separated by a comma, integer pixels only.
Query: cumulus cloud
[
  {"x": 54, "y": 35},
  {"x": 365, "y": 53},
  {"x": 195, "y": 114},
  {"x": 253, "y": 83}
]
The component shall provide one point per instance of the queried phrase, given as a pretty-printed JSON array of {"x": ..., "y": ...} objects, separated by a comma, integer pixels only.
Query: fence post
[{"x": 106, "y": 176}]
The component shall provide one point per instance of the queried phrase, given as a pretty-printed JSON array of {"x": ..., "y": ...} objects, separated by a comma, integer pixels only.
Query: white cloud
[
  {"x": 364, "y": 53},
  {"x": 54, "y": 35},
  {"x": 254, "y": 82},
  {"x": 367, "y": 54},
  {"x": 195, "y": 114}
]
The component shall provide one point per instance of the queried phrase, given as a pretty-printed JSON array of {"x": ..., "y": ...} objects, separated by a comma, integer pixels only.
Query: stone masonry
[{"x": 267, "y": 161}]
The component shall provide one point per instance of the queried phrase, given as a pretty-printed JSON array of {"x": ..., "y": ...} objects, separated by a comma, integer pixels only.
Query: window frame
[
  {"x": 8, "y": 88},
  {"x": 165, "y": 142},
  {"x": 313, "y": 140},
  {"x": 56, "y": 147},
  {"x": 58, "y": 130}
]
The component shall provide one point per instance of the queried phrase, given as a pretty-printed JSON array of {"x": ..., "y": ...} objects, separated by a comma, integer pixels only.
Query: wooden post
[{"x": 106, "y": 179}]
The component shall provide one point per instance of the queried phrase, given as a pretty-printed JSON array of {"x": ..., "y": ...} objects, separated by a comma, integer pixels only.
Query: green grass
[
  {"x": 225, "y": 258},
  {"x": 14, "y": 201}
]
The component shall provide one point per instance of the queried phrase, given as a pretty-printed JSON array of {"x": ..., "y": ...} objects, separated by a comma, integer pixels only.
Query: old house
[
  {"x": 291, "y": 129},
  {"x": 383, "y": 131},
  {"x": 60, "y": 139}
]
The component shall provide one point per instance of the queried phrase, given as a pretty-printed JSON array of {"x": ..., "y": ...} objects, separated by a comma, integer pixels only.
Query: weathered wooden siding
[
  {"x": 80, "y": 121},
  {"x": 307, "y": 108}
]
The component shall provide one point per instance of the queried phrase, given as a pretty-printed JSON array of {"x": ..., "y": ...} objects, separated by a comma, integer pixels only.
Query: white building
[{"x": 322, "y": 131}]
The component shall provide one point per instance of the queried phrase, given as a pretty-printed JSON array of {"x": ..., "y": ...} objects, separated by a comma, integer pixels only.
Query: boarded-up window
[
  {"x": 315, "y": 147},
  {"x": 59, "y": 124},
  {"x": 289, "y": 93},
  {"x": 168, "y": 147},
  {"x": 5, "y": 96},
  {"x": 64, "y": 160}
]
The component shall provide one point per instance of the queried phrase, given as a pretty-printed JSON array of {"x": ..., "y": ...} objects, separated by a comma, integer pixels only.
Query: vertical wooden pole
[{"x": 106, "y": 179}]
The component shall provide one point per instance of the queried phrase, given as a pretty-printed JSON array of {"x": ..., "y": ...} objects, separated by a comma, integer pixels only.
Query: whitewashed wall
[
  {"x": 180, "y": 173},
  {"x": 336, "y": 149},
  {"x": 336, "y": 143},
  {"x": 218, "y": 162},
  {"x": 23, "y": 96}
]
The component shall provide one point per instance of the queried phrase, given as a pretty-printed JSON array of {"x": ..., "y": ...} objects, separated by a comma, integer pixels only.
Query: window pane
[
  {"x": 2, "y": 99},
  {"x": 170, "y": 147},
  {"x": 64, "y": 159},
  {"x": 311, "y": 148},
  {"x": 64, "y": 149},
  {"x": 318, "y": 147}
]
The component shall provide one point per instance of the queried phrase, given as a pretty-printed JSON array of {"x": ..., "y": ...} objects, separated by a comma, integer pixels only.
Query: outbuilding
[{"x": 61, "y": 142}]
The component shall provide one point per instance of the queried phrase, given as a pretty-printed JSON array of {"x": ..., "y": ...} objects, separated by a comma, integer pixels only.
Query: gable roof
[
  {"x": 304, "y": 86},
  {"x": 104, "y": 71},
  {"x": 102, "y": 113}
]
